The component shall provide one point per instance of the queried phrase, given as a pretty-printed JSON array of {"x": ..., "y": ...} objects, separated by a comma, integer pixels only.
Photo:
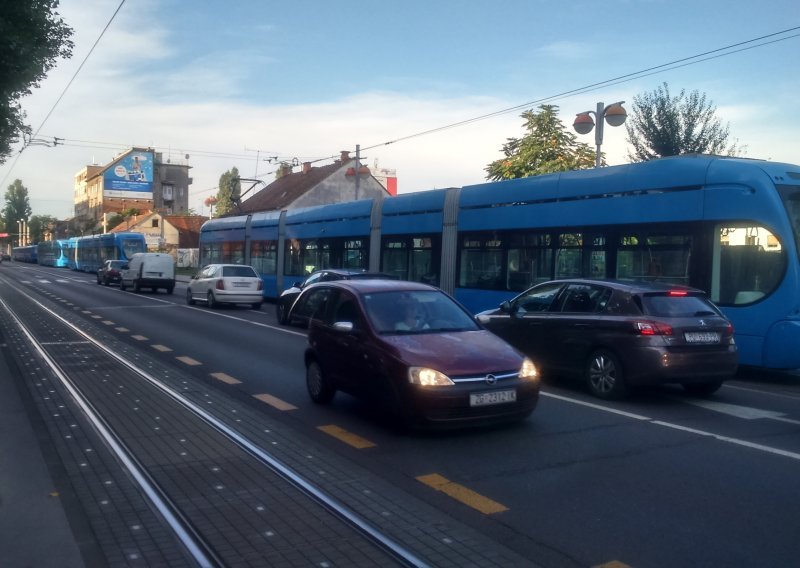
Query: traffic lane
[
  {"x": 263, "y": 367},
  {"x": 479, "y": 443},
  {"x": 602, "y": 486}
]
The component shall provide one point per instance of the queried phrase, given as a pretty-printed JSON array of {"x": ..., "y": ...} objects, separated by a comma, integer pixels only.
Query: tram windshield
[{"x": 791, "y": 200}]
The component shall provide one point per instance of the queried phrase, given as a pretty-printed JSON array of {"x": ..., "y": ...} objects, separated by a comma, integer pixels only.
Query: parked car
[
  {"x": 110, "y": 273},
  {"x": 152, "y": 270},
  {"x": 288, "y": 296},
  {"x": 445, "y": 370},
  {"x": 218, "y": 284},
  {"x": 619, "y": 334}
]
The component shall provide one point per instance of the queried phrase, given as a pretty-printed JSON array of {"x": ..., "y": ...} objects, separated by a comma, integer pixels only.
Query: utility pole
[{"x": 358, "y": 166}]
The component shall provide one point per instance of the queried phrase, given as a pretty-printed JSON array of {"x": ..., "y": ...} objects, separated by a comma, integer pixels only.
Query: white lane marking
[
  {"x": 734, "y": 410},
  {"x": 597, "y": 406},
  {"x": 721, "y": 438},
  {"x": 745, "y": 443}
]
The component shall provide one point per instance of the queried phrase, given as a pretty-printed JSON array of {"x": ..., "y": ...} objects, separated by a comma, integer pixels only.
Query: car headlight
[
  {"x": 428, "y": 377},
  {"x": 528, "y": 370}
]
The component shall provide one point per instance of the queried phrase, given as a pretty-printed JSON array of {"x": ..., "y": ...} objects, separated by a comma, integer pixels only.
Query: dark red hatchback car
[
  {"x": 414, "y": 349},
  {"x": 615, "y": 334}
]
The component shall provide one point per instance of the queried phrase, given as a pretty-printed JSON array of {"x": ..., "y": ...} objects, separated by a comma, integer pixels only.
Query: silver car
[{"x": 218, "y": 284}]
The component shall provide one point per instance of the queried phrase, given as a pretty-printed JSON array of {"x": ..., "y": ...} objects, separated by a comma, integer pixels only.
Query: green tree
[
  {"x": 230, "y": 189},
  {"x": 17, "y": 207},
  {"x": 32, "y": 37},
  {"x": 547, "y": 147},
  {"x": 38, "y": 225},
  {"x": 664, "y": 125}
]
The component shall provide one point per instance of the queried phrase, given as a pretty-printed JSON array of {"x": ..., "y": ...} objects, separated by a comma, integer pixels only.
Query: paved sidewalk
[{"x": 34, "y": 531}]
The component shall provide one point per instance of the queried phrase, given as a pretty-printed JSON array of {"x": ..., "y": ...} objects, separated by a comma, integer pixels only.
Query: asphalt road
[{"x": 661, "y": 479}]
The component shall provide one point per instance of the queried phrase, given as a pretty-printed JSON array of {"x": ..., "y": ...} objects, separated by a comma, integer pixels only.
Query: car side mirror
[
  {"x": 297, "y": 285},
  {"x": 506, "y": 306},
  {"x": 343, "y": 326}
]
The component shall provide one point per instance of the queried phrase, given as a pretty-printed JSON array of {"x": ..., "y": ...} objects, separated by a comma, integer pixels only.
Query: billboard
[{"x": 130, "y": 177}]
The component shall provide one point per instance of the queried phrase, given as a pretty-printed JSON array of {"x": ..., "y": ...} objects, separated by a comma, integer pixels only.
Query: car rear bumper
[
  {"x": 238, "y": 298},
  {"x": 653, "y": 366}
]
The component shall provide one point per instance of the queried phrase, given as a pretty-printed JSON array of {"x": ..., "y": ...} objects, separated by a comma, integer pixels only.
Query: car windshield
[
  {"x": 678, "y": 306},
  {"x": 229, "y": 271},
  {"x": 116, "y": 264},
  {"x": 417, "y": 311}
]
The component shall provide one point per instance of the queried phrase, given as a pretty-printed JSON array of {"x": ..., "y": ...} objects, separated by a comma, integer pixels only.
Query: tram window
[
  {"x": 395, "y": 259},
  {"x": 655, "y": 257},
  {"x": 481, "y": 263},
  {"x": 749, "y": 263},
  {"x": 264, "y": 256}
]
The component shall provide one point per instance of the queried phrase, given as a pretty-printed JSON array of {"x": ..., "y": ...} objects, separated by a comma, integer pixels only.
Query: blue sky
[{"x": 232, "y": 83}]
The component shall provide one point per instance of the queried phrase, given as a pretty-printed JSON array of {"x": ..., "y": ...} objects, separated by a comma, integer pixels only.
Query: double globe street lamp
[{"x": 614, "y": 114}]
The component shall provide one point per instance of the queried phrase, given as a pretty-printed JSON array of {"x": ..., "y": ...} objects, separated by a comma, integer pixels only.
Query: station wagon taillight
[
  {"x": 652, "y": 328},
  {"x": 220, "y": 284}
]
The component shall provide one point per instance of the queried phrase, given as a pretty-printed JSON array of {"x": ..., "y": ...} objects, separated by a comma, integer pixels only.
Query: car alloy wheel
[
  {"x": 210, "y": 300},
  {"x": 280, "y": 312},
  {"x": 604, "y": 375},
  {"x": 319, "y": 389}
]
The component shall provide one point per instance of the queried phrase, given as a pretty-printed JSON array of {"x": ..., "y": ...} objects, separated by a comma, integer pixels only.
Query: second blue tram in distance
[
  {"x": 729, "y": 226},
  {"x": 54, "y": 253},
  {"x": 88, "y": 253}
]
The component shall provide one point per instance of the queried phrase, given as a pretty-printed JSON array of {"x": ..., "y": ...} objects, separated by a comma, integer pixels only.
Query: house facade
[
  {"x": 333, "y": 183},
  {"x": 136, "y": 179}
]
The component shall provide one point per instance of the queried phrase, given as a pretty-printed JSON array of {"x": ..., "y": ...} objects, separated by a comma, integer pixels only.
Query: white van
[{"x": 152, "y": 270}]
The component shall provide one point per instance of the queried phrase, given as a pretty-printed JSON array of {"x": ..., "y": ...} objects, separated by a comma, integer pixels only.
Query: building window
[{"x": 155, "y": 223}]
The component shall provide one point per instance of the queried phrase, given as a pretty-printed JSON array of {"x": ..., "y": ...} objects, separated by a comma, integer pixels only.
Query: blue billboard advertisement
[{"x": 131, "y": 176}]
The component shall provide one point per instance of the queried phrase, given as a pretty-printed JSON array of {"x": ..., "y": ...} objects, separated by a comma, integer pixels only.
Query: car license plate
[
  {"x": 494, "y": 397},
  {"x": 241, "y": 284},
  {"x": 701, "y": 337}
]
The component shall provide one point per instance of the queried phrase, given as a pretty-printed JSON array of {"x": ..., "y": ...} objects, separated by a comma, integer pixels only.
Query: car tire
[
  {"x": 281, "y": 311},
  {"x": 122, "y": 286},
  {"x": 136, "y": 287},
  {"x": 604, "y": 375},
  {"x": 106, "y": 282},
  {"x": 319, "y": 389},
  {"x": 702, "y": 389},
  {"x": 210, "y": 299},
  {"x": 170, "y": 289},
  {"x": 189, "y": 299}
]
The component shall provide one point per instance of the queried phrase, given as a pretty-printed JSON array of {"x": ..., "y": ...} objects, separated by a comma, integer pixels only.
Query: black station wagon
[{"x": 617, "y": 334}]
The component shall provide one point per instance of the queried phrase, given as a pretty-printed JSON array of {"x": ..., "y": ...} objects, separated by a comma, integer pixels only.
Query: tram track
[{"x": 248, "y": 489}]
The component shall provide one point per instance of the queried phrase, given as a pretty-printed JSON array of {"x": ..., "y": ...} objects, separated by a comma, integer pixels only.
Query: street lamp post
[{"x": 614, "y": 114}]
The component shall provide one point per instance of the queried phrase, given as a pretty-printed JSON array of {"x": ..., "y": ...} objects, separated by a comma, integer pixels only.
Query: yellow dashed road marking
[
  {"x": 162, "y": 348},
  {"x": 188, "y": 360},
  {"x": 347, "y": 437},
  {"x": 108, "y": 322},
  {"x": 226, "y": 378},
  {"x": 122, "y": 329},
  {"x": 139, "y": 337},
  {"x": 461, "y": 493},
  {"x": 276, "y": 402},
  {"x": 97, "y": 317}
]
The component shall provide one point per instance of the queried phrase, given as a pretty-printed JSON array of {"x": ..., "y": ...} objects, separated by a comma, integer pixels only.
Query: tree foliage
[
  {"x": 17, "y": 207},
  {"x": 32, "y": 37},
  {"x": 664, "y": 125},
  {"x": 230, "y": 189},
  {"x": 39, "y": 225},
  {"x": 546, "y": 148}
]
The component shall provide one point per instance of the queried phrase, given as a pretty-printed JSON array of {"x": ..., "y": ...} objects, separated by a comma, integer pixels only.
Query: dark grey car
[
  {"x": 617, "y": 334},
  {"x": 284, "y": 303}
]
